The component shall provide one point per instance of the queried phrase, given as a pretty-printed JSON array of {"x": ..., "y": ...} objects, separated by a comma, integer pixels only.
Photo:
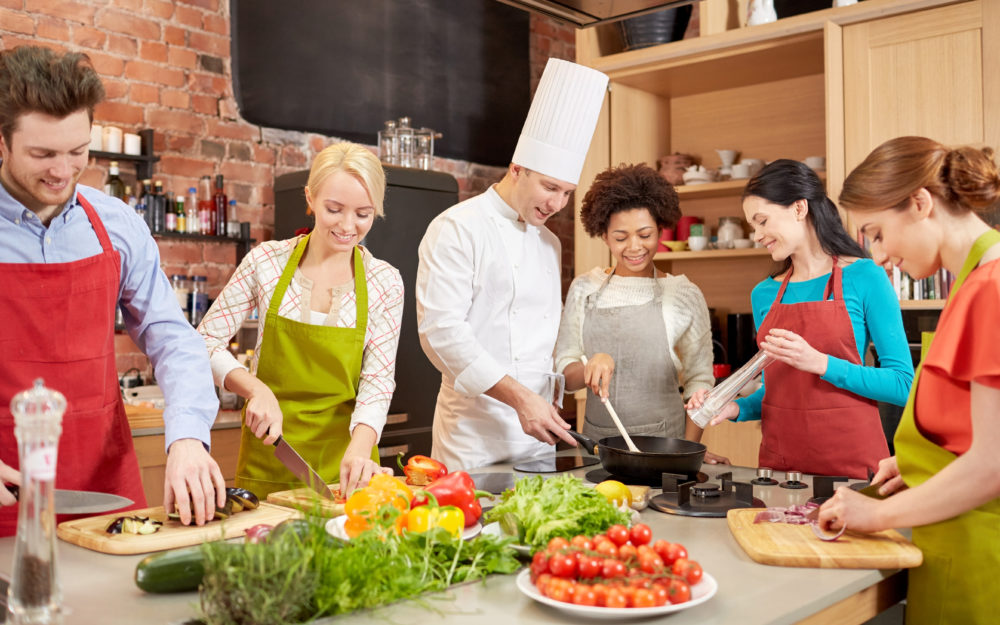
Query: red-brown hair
[{"x": 965, "y": 178}]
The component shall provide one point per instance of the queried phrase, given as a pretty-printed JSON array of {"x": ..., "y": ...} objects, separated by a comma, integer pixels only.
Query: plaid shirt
[{"x": 252, "y": 286}]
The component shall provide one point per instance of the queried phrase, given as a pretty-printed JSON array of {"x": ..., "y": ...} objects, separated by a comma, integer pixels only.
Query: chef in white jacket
[{"x": 488, "y": 288}]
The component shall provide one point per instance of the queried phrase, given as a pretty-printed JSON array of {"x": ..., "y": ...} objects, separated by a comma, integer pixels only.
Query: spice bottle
[
  {"x": 220, "y": 204},
  {"x": 34, "y": 595}
]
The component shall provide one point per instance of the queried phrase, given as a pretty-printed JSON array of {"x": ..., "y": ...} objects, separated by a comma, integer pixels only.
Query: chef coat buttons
[
  {"x": 17, "y": 220},
  {"x": 48, "y": 240}
]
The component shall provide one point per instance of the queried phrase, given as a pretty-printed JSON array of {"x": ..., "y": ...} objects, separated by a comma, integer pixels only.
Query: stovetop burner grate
[
  {"x": 683, "y": 497},
  {"x": 656, "y": 481}
]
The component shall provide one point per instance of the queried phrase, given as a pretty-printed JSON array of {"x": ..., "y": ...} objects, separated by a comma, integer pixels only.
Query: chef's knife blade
[
  {"x": 294, "y": 462},
  {"x": 82, "y": 501}
]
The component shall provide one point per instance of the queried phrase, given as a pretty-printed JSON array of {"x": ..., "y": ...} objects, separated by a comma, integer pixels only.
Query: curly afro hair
[{"x": 627, "y": 187}]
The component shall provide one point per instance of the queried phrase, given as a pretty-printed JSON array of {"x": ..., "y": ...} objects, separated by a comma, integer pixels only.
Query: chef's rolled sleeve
[{"x": 480, "y": 376}]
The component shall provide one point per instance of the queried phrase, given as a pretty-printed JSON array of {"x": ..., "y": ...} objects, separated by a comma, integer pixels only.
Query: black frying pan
[{"x": 656, "y": 455}]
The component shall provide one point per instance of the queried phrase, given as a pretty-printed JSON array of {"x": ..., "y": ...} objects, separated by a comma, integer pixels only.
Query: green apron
[
  {"x": 314, "y": 372},
  {"x": 962, "y": 554}
]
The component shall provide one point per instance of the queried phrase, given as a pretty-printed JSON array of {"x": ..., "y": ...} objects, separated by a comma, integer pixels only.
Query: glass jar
[
  {"x": 182, "y": 287},
  {"x": 387, "y": 150},
  {"x": 405, "y": 143},
  {"x": 34, "y": 595},
  {"x": 198, "y": 300},
  {"x": 730, "y": 229}
]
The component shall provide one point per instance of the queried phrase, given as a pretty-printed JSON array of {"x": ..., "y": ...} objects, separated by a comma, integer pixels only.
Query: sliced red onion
[{"x": 823, "y": 535}]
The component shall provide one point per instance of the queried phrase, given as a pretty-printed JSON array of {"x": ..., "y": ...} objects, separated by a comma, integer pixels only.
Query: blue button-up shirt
[{"x": 152, "y": 317}]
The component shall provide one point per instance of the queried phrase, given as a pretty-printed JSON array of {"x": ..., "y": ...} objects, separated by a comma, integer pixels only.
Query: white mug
[
  {"x": 755, "y": 165},
  {"x": 112, "y": 139},
  {"x": 97, "y": 137},
  {"x": 740, "y": 170},
  {"x": 133, "y": 144}
]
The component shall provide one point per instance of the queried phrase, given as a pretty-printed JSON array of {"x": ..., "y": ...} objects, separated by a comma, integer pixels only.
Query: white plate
[
  {"x": 335, "y": 527},
  {"x": 493, "y": 529},
  {"x": 700, "y": 593}
]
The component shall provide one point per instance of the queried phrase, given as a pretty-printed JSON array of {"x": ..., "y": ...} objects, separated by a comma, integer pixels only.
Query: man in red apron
[{"x": 69, "y": 256}]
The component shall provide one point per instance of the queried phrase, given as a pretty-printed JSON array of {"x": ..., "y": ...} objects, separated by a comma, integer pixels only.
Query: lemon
[{"x": 616, "y": 492}]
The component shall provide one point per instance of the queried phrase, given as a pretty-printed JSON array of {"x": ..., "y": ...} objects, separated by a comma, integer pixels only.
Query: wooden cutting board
[
  {"x": 784, "y": 544},
  {"x": 90, "y": 532},
  {"x": 305, "y": 499}
]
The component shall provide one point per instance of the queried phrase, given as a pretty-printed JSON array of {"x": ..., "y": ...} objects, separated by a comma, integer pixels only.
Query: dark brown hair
[
  {"x": 37, "y": 80},
  {"x": 965, "y": 178},
  {"x": 783, "y": 182},
  {"x": 627, "y": 187}
]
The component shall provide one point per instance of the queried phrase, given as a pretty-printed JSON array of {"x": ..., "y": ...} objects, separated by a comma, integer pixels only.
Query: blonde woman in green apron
[
  {"x": 916, "y": 201},
  {"x": 322, "y": 374},
  {"x": 645, "y": 333}
]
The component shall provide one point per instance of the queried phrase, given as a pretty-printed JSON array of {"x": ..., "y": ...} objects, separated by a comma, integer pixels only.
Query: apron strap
[
  {"x": 835, "y": 285},
  {"x": 591, "y": 299},
  {"x": 360, "y": 293},
  {"x": 286, "y": 276},
  {"x": 95, "y": 222},
  {"x": 984, "y": 242}
]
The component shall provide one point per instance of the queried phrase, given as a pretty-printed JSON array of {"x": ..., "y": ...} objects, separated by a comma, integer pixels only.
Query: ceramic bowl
[
  {"x": 742, "y": 244},
  {"x": 697, "y": 242},
  {"x": 676, "y": 246}
]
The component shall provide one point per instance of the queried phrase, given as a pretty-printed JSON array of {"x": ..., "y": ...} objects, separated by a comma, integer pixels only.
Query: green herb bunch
[{"x": 305, "y": 573}]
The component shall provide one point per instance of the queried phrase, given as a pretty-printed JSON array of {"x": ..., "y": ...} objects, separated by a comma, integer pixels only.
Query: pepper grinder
[{"x": 34, "y": 596}]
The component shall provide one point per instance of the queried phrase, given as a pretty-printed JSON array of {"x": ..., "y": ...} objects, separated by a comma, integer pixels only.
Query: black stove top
[
  {"x": 685, "y": 497},
  {"x": 656, "y": 481}
]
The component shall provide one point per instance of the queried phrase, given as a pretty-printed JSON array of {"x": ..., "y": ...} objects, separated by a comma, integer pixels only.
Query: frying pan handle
[{"x": 587, "y": 443}]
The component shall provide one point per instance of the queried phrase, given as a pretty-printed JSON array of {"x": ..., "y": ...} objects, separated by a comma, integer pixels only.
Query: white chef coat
[{"x": 488, "y": 305}]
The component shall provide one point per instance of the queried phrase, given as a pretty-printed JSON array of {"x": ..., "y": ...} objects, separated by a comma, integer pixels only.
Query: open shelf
[
  {"x": 705, "y": 254},
  {"x": 143, "y": 162},
  {"x": 921, "y": 304},
  {"x": 726, "y": 188},
  {"x": 242, "y": 245}
]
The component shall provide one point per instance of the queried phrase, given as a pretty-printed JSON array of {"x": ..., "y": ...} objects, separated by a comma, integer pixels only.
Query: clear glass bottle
[
  {"x": 233, "y": 225},
  {"x": 206, "y": 214},
  {"x": 191, "y": 208},
  {"x": 387, "y": 150},
  {"x": 34, "y": 596},
  {"x": 220, "y": 205},
  {"x": 114, "y": 186},
  {"x": 181, "y": 285}
]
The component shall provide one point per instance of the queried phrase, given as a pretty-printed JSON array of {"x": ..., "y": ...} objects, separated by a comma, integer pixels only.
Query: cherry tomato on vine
[
  {"x": 640, "y": 534},
  {"x": 563, "y": 565},
  {"x": 679, "y": 591},
  {"x": 618, "y": 534}
]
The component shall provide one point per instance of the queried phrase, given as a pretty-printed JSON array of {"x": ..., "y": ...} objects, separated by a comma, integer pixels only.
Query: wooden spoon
[{"x": 614, "y": 417}]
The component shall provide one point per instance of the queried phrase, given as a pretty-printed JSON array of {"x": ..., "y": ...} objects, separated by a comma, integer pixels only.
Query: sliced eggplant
[
  {"x": 134, "y": 525},
  {"x": 245, "y": 498}
]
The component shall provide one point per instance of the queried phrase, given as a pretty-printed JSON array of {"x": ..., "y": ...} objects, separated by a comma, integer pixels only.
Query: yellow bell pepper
[
  {"x": 364, "y": 508},
  {"x": 424, "y": 518}
]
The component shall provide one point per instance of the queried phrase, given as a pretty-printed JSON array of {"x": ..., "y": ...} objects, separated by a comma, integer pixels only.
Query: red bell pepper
[
  {"x": 455, "y": 489},
  {"x": 421, "y": 470}
]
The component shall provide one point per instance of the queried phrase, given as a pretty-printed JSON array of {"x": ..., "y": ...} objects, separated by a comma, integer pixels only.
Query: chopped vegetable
[
  {"x": 558, "y": 506},
  {"x": 421, "y": 470},
  {"x": 134, "y": 525},
  {"x": 455, "y": 489}
]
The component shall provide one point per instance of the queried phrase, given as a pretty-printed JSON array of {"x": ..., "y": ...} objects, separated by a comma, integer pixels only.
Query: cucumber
[{"x": 180, "y": 570}]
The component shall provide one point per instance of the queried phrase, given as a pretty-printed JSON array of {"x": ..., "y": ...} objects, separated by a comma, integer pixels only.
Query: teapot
[{"x": 673, "y": 166}]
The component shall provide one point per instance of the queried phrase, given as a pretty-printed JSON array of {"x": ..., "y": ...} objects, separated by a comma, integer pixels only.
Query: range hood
[{"x": 582, "y": 13}]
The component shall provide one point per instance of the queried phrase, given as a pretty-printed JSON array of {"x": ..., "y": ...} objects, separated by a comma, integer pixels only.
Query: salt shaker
[{"x": 34, "y": 596}]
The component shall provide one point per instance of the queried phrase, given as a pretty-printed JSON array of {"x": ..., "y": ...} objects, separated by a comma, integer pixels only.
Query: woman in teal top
[
  {"x": 874, "y": 310},
  {"x": 816, "y": 316}
]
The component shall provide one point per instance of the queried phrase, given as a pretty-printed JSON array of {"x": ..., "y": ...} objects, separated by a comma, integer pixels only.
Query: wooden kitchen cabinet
[{"x": 834, "y": 82}]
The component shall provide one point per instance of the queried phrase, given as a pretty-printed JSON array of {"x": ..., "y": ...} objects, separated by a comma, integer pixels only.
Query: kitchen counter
[{"x": 98, "y": 588}]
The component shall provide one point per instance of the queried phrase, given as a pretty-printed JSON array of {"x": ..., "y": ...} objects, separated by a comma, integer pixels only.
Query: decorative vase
[
  {"x": 655, "y": 28},
  {"x": 761, "y": 12}
]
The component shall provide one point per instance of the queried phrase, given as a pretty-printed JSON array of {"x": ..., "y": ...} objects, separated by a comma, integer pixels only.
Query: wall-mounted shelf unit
[{"x": 143, "y": 162}]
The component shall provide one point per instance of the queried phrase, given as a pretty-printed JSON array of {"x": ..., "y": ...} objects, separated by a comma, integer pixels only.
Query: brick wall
[{"x": 166, "y": 66}]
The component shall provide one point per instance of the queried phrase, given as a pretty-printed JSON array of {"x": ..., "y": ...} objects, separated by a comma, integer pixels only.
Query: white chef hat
[{"x": 561, "y": 120}]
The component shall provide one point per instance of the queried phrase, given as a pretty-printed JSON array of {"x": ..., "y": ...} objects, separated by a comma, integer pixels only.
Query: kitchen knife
[
  {"x": 294, "y": 462},
  {"x": 82, "y": 501}
]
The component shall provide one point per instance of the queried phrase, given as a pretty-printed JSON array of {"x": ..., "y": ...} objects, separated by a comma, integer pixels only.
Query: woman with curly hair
[{"x": 645, "y": 333}]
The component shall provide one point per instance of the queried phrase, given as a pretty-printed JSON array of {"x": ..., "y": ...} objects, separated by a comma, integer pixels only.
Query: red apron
[
  {"x": 58, "y": 324},
  {"x": 808, "y": 424}
]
